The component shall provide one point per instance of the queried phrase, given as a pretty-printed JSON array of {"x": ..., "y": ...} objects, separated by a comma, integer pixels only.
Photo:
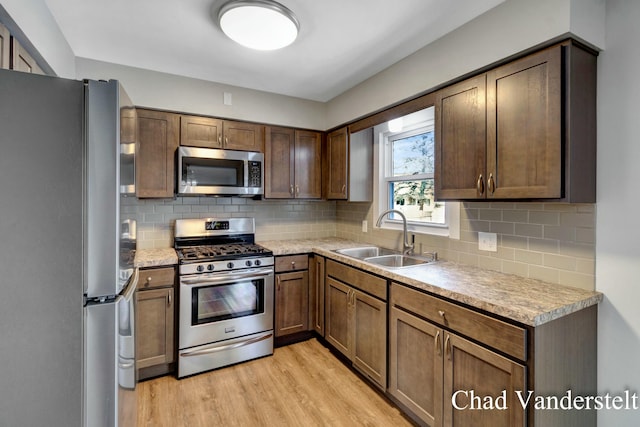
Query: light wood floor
[{"x": 302, "y": 384}]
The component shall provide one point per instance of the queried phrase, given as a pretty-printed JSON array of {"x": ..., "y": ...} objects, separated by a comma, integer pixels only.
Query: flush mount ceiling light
[{"x": 258, "y": 24}]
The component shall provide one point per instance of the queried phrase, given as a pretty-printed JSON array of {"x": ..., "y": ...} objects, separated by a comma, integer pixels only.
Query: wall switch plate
[
  {"x": 364, "y": 226},
  {"x": 488, "y": 241},
  {"x": 227, "y": 98}
]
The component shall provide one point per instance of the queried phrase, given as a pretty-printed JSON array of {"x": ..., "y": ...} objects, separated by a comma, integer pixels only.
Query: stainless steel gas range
[{"x": 226, "y": 294}]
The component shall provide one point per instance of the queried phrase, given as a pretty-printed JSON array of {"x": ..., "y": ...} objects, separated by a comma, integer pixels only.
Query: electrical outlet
[
  {"x": 364, "y": 226},
  {"x": 488, "y": 241}
]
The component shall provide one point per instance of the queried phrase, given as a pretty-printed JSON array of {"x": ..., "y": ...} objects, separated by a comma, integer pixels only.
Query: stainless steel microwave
[{"x": 208, "y": 171}]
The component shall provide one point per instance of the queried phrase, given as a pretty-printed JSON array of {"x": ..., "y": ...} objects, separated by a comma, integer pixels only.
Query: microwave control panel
[{"x": 255, "y": 174}]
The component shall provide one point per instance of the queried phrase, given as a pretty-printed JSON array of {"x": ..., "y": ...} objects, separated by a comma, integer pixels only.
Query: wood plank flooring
[{"x": 302, "y": 384}]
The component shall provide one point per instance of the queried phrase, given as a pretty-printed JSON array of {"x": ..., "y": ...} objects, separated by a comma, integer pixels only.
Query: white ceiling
[{"x": 341, "y": 42}]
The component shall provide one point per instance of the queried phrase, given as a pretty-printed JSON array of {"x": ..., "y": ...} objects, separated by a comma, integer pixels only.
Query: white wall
[
  {"x": 172, "y": 92},
  {"x": 509, "y": 28},
  {"x": 35, "y": 20},
  {"x": 617, "y": 226}
]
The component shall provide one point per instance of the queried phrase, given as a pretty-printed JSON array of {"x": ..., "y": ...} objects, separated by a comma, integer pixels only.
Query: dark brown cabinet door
[
  {"x": 242, "y": 136},
  {"x": 369, "y": 323},
  {"x": 524, "y": 128},
  {"x": 308, "y": 165},
  {"x": 316, "y": 294},
  {"x": 204, "y": 132},
  {"x": 468, "y": 366},
  {"x": 415, "y": 365},
  {"x": 154, "y": 328},
  {"x": 336, "y": 169},
  {"x": 279, "y": 169},
  {"x": 292, "y": 303},
  {"x": 337, "y": 312},
  {"x": 460, "y": 159},
  {"x": 5, "y": 47},
  {"x": 158, "y": 137}
]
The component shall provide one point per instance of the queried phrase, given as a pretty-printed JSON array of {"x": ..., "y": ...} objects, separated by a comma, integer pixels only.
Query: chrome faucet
[{"x": 407, "y": 247}]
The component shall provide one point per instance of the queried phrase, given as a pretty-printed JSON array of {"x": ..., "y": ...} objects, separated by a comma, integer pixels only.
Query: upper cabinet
[
  {"x": 5, "y": 47},
  {"x": 158, "y": 134},
  {"x": 348, "y": 167},
  {"x": 524, "y": 130},
  {"x": 209, "y": 132},
  {"x": 336, "y": 164},
  {"x": 13, "y": 56},
  {"x": 292, "y": 163}
]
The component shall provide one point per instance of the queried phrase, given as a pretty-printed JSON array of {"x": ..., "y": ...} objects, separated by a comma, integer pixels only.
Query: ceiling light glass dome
[{"x": 258, "y": 24}]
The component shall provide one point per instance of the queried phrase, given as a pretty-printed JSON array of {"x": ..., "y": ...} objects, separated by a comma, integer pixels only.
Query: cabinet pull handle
[
  {"x": 297, "y": 190},
  {"x": 291, "y": 189},
  {"x": 220, "y": 140},
  {"x": 169, "y": 300},
  {"x": 480, "y": 184},
  {"x": 492, "y": 184},
  {"x": 447, "y": 347},
  {"x": 438, "y": 346},
  {"x": 344, "y": 189},
  {"x": 444, "y": 316},
  {"x": 226, "y": 141}
]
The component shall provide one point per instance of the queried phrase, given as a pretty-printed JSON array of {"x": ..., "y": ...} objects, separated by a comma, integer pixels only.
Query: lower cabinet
[
  {"x": 442, "y": 378},
  {"x": 316, "y": 294},
  {"x": 355, "y": 321},
  {"x": 291, "y": 295},
  {"x": 155, "y": 327}
]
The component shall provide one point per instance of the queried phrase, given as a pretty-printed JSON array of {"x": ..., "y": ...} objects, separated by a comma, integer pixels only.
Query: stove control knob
[
  {"x": 248, "y": 263},
  {"x": 257, "y": 262},
  {"x": 210, "y": 267},
  {"x": 200, "y": 268},
  {"x": 230, "y": 265}
]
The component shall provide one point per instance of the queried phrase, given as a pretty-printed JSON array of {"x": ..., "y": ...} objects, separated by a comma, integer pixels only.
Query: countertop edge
[{"x": 530, "y": 316}]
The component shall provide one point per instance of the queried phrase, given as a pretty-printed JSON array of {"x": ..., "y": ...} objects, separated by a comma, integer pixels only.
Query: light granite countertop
[
  {"x": 528, "y": 301},
  {"x": 155, "y": 257}
]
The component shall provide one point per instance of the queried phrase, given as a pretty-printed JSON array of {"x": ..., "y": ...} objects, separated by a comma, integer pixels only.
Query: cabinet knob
[
  {"x": 443, "y": 315},
  {"x": 293, "y": 264},
  {"x": 148, "y": 282}
]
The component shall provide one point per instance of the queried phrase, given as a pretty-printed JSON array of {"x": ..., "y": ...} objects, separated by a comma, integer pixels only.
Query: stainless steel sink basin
[
  {"x": 397, "y": 260},
  {"x": 383, "y": 257},
  {"x": 365, "y": 252}
]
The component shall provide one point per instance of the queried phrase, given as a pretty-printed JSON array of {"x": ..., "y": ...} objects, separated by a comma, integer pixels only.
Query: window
[{"x": 406, "y": 176}]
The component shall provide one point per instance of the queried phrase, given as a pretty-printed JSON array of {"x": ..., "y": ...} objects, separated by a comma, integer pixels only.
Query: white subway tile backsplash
[{"x": 548, "y": 241}]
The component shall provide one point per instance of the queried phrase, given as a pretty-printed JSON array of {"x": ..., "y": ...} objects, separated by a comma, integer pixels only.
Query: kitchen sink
[
  {"x": 365, "y": 252},
  {"x": 384, "y": 257},
  {"x": 397, "y": 260}
]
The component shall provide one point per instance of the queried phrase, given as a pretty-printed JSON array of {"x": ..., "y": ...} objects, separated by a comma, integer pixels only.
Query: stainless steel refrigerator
[{"x": 67, "y": 315}]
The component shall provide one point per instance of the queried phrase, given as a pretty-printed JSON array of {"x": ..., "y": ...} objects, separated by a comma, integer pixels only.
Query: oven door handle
[
  {"x": 213, "y": 278},
  {"x": 216, "y": 348}
]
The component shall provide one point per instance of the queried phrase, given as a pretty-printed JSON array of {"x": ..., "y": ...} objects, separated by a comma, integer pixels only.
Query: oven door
[{"x": 221, "y": 306}]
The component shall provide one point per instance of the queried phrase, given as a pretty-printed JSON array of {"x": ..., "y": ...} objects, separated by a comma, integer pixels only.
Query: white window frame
[{"x": 451, "y": 227}]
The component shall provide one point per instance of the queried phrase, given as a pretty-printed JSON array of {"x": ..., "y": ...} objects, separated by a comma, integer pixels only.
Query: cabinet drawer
[
  {"x": 369, "y": 283},
  {"x": 495, "y": 333},
  {"x": 156, "y": 277},
  {"x": 292, "y": 263}
]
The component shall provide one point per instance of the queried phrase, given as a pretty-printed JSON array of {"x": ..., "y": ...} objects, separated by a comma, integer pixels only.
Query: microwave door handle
[{"x": 225, "y": 277}]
